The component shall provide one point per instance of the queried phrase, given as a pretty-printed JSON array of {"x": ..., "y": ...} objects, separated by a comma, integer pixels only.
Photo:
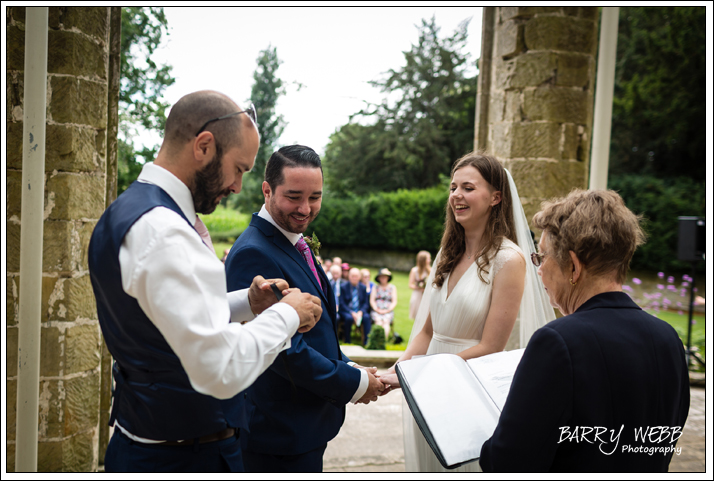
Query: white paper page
[
  {"x": 458, "y": 412},
  {"x": 495, "y": 372}
]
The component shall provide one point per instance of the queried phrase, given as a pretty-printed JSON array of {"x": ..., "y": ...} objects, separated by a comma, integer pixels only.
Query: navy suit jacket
[
  {"x": 299, "y": 402},
  {"x": 346, "y": 299},
  {"x": 609, "y": 365}
]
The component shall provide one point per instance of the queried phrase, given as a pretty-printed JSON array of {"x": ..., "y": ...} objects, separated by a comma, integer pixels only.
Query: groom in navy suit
[{"x": 298, "y": 404}]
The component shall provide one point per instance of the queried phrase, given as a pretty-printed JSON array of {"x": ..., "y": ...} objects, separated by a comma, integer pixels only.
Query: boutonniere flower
[{"x": 313, "y": 243}]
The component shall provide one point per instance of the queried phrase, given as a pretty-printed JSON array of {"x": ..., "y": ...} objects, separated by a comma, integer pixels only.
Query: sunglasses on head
[{"x": 250, "y": 112}]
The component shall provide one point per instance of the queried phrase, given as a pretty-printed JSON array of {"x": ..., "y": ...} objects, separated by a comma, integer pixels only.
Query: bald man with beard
[{"x": 174, "y": 331}]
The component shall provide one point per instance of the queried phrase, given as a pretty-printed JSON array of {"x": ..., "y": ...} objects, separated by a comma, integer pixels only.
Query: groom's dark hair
[{"x": 289, "y": 156}]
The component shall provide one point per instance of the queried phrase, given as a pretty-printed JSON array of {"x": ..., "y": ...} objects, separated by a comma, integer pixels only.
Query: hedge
[
  {"x": 404, "y": 220},
  {"x": 661, "y": 202},
  {"x": 411, "y": 220}
]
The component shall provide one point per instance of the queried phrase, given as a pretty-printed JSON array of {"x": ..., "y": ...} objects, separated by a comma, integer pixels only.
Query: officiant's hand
[
  {"x": 373, "y": 390},
  {"x": 308, "y": 307},
  {"x": 261, "y": 296}
]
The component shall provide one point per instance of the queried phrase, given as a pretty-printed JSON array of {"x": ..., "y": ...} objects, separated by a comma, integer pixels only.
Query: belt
[{"x": 209, "y": 438}]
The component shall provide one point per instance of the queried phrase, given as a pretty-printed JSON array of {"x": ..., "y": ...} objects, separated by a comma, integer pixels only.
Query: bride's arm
[
  {"x": 508, "y": 285},
  {"x": 417, "y": 346}
]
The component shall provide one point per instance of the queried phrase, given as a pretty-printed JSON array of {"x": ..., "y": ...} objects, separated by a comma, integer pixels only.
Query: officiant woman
[{"x": 591, "y": 380}]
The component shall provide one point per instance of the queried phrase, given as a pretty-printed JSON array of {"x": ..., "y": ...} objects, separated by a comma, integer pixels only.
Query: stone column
[
  {"x": 540, "y": 99},
  {"x": 75, "y": 165},
  {"x": 535, "y": 101}
]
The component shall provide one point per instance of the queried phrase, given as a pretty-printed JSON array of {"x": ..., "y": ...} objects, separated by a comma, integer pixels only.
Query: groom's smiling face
[{"x": 296, "y": 202}]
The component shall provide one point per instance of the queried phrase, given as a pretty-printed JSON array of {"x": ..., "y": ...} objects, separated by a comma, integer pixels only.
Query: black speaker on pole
[
  {"x": 692, "y": 239},
  {"x": 691, "y": 248}
]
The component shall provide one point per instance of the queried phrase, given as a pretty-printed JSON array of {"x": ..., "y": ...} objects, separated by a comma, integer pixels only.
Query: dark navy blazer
[
  {"x": 609, "y": 365},
  {"x": 299, "y": 402}
]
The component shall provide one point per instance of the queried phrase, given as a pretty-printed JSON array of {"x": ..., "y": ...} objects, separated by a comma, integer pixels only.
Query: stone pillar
[
  {"x": 540, "y": 97},
  {"x": 75, "y": 165}
]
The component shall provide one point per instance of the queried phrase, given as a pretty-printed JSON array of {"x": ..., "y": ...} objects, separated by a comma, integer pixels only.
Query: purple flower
[
  {"x": 670, "y": 279},
  {"x": 671, "y": 288},
  {"x": 636, "y": 281},
  {"x": 666, "y": 302},
  {"x": 679, "y": 304},
  {"x": 693, "y": 322},
  {"x": 626, "y": 288},
  {"x": 660, "y": 275},
  {"x": 683, "y": 292},
  {"x": 685, "y": 284},
  {"x": 680, "y": 313},
  {"x": 696, "y": 290},
  {"x": 660, "y": 286},
  {"x": 686, "y": 278}
]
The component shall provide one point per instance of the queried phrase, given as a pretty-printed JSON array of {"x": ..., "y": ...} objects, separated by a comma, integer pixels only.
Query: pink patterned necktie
[
  {"x": 302, "y": 247},
  {"x": 203, "y": 232}
]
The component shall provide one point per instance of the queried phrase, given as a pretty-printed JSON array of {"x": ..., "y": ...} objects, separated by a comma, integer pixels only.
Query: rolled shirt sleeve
[{"x": 181, "y": 286}]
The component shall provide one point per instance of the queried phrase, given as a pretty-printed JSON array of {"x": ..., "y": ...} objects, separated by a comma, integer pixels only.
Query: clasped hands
[
  {"x": 261, "y": 297},
  {"x": 379, "y": 385}
]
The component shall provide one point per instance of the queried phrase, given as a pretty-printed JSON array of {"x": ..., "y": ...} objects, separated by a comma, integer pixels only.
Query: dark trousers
[
  {"x": 127, "y": 456},
  {"x": 309, "y": 462}
]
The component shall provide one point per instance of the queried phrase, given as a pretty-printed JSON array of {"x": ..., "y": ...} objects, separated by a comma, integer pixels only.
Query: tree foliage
[
  {"x": 659, "y": 123},
  {"x": 425, "y": 122},
  {"x": 142, "y": 86},
  {"x": 267, "y": 89}
]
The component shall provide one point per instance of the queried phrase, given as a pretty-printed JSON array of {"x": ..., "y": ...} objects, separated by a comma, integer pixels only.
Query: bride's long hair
[{"x": 499, "y": 225}]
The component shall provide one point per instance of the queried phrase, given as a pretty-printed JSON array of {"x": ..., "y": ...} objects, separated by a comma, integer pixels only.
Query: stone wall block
[
  {"x": 535, "y": 140},
  {"x": 10, "y": 412},
  {"x": 513, "y": 12},
  {"x": 49, "y": 455},
  {"x": 82, "y": 348},
  {"x": 513, "y": 111},
  {"x": 545, "y": 180},
  {"x": 561, "y": 33},
  {"x": 13, "y": 193},
  {"x": 78, "y": 101},
  {"x": 15, "y": 93},
  {"x": 558, "y": 105},
  {"x": 497, "y": 106},
  {"x": 51, "y": 409},
  {"x": 92, "y": 21},
  {"x": 13, "y": 145},
  {"x": 11, "y": 302},
  {"x": 52, "y": 351},
  {"x": 100, "y": 144},
  {"x": 16, "y": 13},
  {"x": 12, "y": 243},
  {"x": 78, "y": 453},
  {"x": 83, "y": 196},
  {"x": 15, "y": 55},
  {"x": 500, "y": 139},
  {"x": 81, "y": 403},
  {"x": 75, "y": 54},
  {"x": 57, "y": 247},
  {"x": 591, "y": 13},
  {"x": 80, "y": 299},
  {"x": 532, "y": 69},
  {"x": 574, "y": 70},
  {"x": 85, "y": 235},
  {"x": 53, "y": 298},
  {"x": 70, "y": 148},
  {"x": 509, "y": 40},
  {"x": 11, "y": 350},
  {"x": 571, "y": 141}
]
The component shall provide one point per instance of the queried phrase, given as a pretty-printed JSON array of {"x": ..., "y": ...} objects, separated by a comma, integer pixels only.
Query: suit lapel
[{"x": 284, "y": 244}]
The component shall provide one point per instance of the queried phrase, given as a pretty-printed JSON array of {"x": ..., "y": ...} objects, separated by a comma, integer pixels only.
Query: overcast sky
[{"x": 332, "y": 51}]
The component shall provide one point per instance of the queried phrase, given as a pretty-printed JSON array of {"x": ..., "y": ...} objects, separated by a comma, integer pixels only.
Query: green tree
[
  {"x": 425, "y": 122},
  {"x": 142, "y": 86},
  {"x": 267, "y": 89},
  {"x": 659, "y": 109}
]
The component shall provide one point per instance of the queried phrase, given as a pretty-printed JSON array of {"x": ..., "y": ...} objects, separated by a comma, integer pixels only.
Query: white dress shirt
[
  {"x": 181, "y": 287},
  {"x": 293, "y": 239}
]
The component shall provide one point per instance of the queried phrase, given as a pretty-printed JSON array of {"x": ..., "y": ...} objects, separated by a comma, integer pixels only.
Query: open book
[{"x": 457, "y": 403}]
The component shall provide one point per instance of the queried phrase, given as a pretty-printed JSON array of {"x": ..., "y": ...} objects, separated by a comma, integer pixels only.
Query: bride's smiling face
[{"x": 471, "y": 196}]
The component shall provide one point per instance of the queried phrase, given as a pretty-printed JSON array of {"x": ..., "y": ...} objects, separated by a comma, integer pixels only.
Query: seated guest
[
  {"x": 383, "y": 300},
  {"x": 354, "y": 302},
  {"x": 591, "y": 380},
  {"x": 369, "y": 285},
  {"x": 327, "y": 265},
  {"x": 345, "y": 271},
  {"x": 336, "y": 284}
]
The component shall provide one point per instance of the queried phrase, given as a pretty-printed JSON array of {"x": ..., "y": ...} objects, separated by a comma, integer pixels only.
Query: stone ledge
[{"x": 369, "y": 358}]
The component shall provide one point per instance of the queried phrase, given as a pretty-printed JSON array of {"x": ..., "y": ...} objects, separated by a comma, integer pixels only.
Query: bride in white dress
[{"x": 476, "y": 287}]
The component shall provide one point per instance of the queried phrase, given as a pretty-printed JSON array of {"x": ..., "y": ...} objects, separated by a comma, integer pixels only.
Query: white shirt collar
[
  {"x": 292, "y": 237},
  {"x": 179, "y": 192}
]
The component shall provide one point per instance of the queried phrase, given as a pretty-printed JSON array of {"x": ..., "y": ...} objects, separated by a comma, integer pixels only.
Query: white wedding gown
[{"x": 458, "y": 321}]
